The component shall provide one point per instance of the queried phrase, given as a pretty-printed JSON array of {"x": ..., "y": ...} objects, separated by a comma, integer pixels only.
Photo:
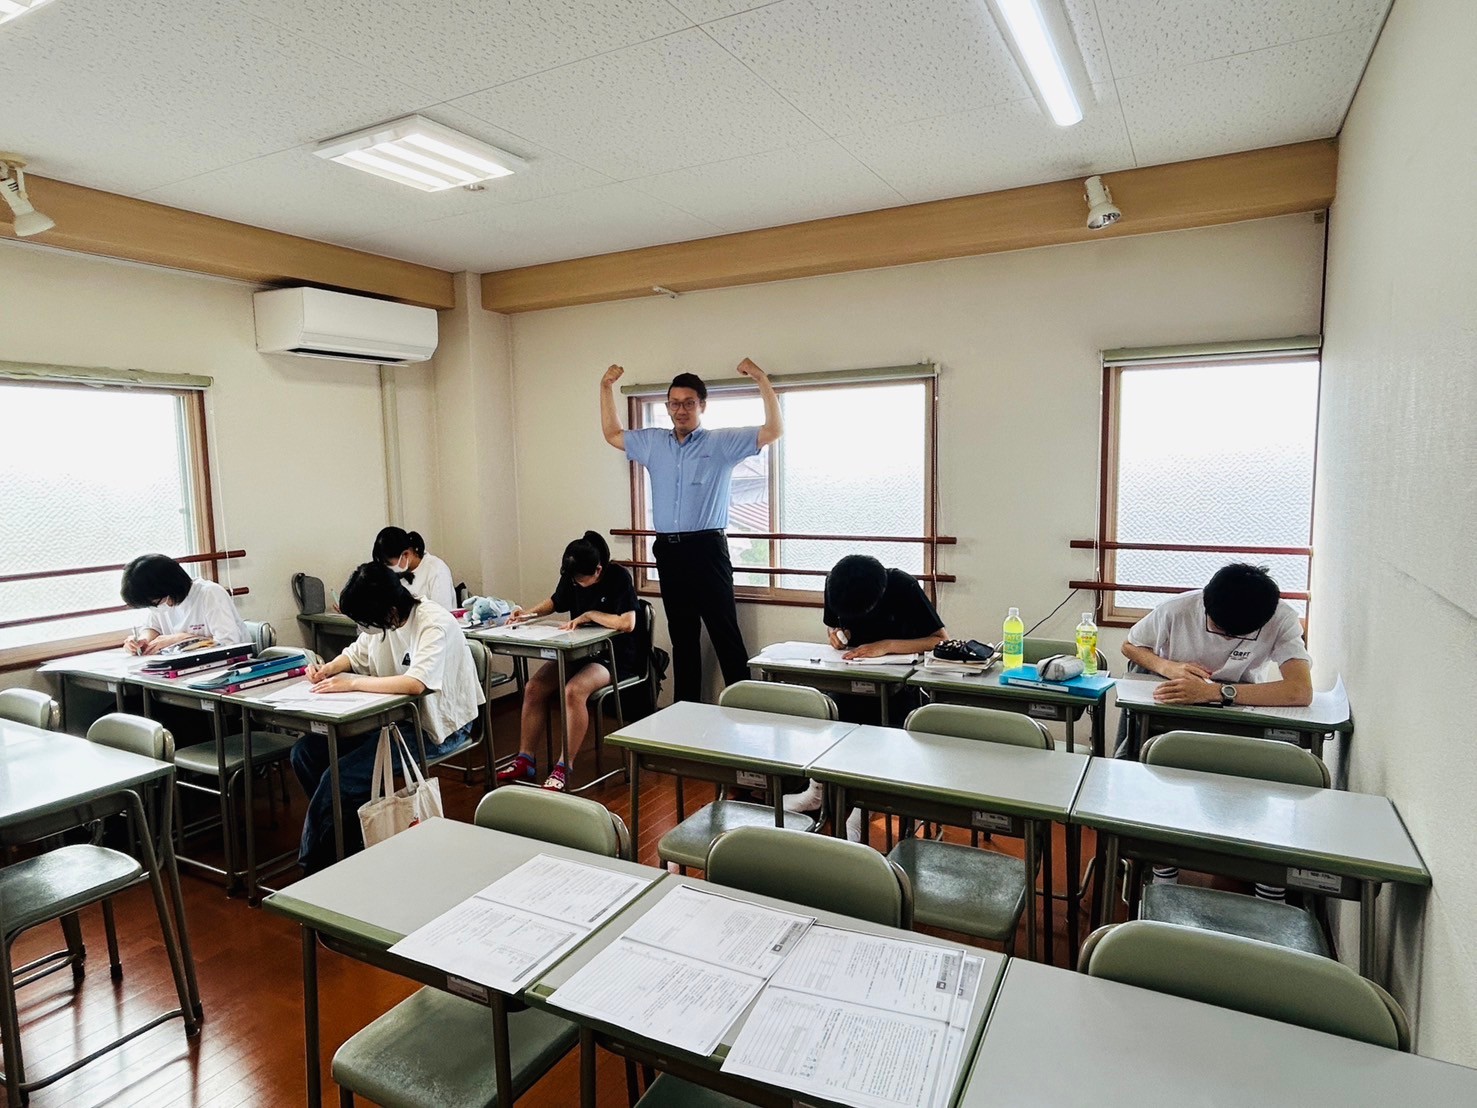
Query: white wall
[
  {"x": 296, "y": 451},
  {"x": 1396, "y": 534},
  {"x": 1018, "y": 338}
]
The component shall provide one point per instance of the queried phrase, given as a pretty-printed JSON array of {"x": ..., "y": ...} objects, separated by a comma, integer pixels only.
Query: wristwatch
[{"x": 1228, "y": 696}]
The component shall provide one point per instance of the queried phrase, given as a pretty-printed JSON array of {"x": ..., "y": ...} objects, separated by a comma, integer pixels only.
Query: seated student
[
  {"x": 405, "y": 646},
  {"x": 180, "y": 607},
  {"x": 425, "y": 575},
  {"x": 592, "y": 589},
  {"x": 870, "y": 611}
]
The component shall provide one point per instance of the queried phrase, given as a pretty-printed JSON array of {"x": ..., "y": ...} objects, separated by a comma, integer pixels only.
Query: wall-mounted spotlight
[
  {"x": 1101, "y": 210},
  {"x": 28, "y": 221}
]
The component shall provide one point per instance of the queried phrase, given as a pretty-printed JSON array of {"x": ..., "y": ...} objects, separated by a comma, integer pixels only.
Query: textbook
[
  {"x": 176, "y": 665},
  {"x": 1026, "y": 677}
]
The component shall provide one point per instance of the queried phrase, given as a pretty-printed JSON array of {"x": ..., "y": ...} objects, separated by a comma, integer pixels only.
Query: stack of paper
[
  {"x": 508, "y": 933},
  {"x": 819, "y": 652}
]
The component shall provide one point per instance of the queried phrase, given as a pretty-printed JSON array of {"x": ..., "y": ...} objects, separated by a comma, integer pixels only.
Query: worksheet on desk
[
  {"x": 534, "y": 631},
  {"x": 825, "y": 652},
  {"x": 299, "y": 696},
  {"x": 1329, "y": 708},
  {"x": 570, "y": 891}
]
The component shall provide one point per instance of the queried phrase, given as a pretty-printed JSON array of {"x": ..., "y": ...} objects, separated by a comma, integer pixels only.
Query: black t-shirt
[
  {"x": 614, "y": 594},
  {"x": 904, "y": 612}
]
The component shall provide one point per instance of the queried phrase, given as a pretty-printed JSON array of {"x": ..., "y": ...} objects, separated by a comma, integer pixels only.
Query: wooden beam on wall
[
  {"x": 1227, "y": 189},
  {"x": 94, "y": 222}
]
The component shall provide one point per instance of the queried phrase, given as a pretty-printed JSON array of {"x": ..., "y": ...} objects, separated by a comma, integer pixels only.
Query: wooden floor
[{"x": 250, "y": 1050}]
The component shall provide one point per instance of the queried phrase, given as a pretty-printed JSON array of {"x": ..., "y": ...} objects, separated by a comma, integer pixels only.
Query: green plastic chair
[
  {"x": 1216, "y": 909},
  {"x": 1262, "y": 979},
  {"x": 435, "y": 1050},
  {"x": 963, "y": 888},
  {"x": 33, "y": 708},
  {"x": 688, "y": 843},
  {"x": 263, "y": 634}
]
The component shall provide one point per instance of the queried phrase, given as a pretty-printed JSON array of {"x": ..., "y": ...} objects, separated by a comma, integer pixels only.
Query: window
[
  {"x": 93, "y": 476},
  {"x": 1215, "y": 455},
  {"x": 856, "y": 459}
]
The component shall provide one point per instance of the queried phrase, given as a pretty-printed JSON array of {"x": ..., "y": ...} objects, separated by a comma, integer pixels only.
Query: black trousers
[{"x": 697, "y": 587}]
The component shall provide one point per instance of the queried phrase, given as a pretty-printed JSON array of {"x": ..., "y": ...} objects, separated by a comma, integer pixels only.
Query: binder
[
  {"x": 1084, "y": 686},
  {"x": 254, "y": 673}
]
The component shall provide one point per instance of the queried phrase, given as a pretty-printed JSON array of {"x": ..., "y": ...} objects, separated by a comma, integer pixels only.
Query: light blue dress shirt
[{"x": 690, "y": 480}]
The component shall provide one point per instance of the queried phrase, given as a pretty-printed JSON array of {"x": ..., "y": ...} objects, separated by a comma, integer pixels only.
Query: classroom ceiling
[{"x": 645, "y": 121}]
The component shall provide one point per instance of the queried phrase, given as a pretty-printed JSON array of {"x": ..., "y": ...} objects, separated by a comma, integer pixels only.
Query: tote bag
[{"x": 388, "y": 812}]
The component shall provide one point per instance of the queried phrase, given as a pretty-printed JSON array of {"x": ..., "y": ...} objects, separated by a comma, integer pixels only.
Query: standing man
[{"x": 691, "y": 468}]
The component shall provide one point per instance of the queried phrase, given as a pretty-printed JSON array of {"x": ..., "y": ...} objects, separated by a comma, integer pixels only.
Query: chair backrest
[
  {"x": 1034, "y": 649},
  {"x": 817, "y": 871},
  {"x": 134, "y": 734},
  {"x": 481, "y": 661},
  {"x": 986, "y": 724},
  {"x": 31, "y": 707},
  {"x": 1237, "y": 756},
  {"x": 1263, "y": 979},
  {"x": 288, "y": 651},
  {"x": 645, "y": 638},
  {"x": 773, "y": 696},
  {"x": 262, "y": 633},
  {"x": 553, "y": 817}
]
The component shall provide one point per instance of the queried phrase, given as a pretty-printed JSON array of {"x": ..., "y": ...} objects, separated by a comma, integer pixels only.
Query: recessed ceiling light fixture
[
  {"x": 14, "y": 9},
  {"x": 1041, "y": 40},
  {"x": 421, "y": 153}
]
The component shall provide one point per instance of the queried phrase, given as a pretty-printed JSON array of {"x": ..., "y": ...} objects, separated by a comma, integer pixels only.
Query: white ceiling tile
[
  {"x": 663, "y": 105},
  {"x": 574, "y": 225},
  {"x": 705, "y": 11},
  {"x": 1083, "y": 18},
  {"x": 771, "y": 189},
  {"x": 1267, "y": 98},
  {"x": 1146, "y": 36},
  {"x": 452, "y": 47},
  {"x": 849, "y": 64},
  {"x": 1000, "y": 147}
]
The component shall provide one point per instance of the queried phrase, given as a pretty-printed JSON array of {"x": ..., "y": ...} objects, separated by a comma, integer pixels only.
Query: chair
[
  {"x": 263, "y": 634},
  {"x": 34, "y": 709},
  {"x": 964, "y": 888},
  {"x": 489, "y": 679},
  {"x": 435, "y": 1050},
  {"x": 645, "y": 625},
  {"x": 1034, "y": 649},
  {"x": 1215, "y": 909},
  {"x": 688, "y": 843},
  {"x": 1259, "y": 978}
]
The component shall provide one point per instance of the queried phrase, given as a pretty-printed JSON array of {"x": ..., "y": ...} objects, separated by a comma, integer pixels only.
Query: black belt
[{"x": 679, "y": 536}]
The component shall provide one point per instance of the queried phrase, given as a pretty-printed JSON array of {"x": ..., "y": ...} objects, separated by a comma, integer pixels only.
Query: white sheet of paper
[
  {"x": 115, "y": 662},
  {"x": 713, "y": 928},
  {"x": 300, "y": 695},
  {"x": 659, "y": 995},
  {"x": 895, "y": 975},
  {"x": 535, "y": 631},
  {"x": 568, "y": 891},
  {"x": 500, "y": 947},
  {"x": 1330, "y": 707},
  {"x": 800, "y": 652}
]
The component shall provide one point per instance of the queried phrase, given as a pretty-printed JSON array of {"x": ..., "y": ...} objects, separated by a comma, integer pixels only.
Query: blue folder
[{"x": 1027, "y": 677}]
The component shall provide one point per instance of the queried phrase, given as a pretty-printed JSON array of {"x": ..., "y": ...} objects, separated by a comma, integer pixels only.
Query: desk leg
[
  {"x": 1367, "y": 889},
  {"x": 1108, "y": 880},
  {"x": 310, "y": 1017},
  {"x": 587, "y": 1068},
  {"x": 502, "y": 1061},
  {"x": 1074, "y": 891},
  {"x": 228, "y": 833},
  {"x": 635, "y": 757},
  {"x": 1031, "y": 843},
  {"x": 777, "y": 790},
  {"x": 248, "y": 822},
  {"x": 563, "y": 715},
  {"x": 187, "y": 1002},
  {"x": 1315, "y": 742},
  {"x": 838, "y": 820},
  {"x": 170, "y": 866},
  {"x": 1099, "y": 728},
  {"x": 1048, "y": 885},
  {"x": 331, "y": 738},
  {"x": 1071, "y": 732},
  {"x": 882, "y": 695}
]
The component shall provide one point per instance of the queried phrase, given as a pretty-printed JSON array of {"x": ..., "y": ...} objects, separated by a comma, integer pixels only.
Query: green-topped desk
[
  {"x": 364, "y": 905},
  {"x": 1338, "y": 843},
  {"x": 987, "y": 691},
  {"x": 1329, "y": 714},
  {"x": 964, "y": 783},
  {"x": 882, "y": 682},
  {"x": 104, "y": 671},
  {"x": 329, "y": 628}
]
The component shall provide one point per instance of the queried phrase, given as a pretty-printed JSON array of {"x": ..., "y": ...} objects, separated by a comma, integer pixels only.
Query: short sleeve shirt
[
  {"x": 904, "y": 612},
  {"x": 614, "y": 594},
  {"x": 1176, "y": 630},
  {"x": 207, "y": 611},
  {"x": 432, "y": 581},
  {"x": 690, "y": 480}
]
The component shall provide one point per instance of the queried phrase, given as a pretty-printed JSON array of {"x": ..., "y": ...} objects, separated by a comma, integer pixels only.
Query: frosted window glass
[
  {"x": 90, "y": 476},
  {"x": 1214, "y": 454}
]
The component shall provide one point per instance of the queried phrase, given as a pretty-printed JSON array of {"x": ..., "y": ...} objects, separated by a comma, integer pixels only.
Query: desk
[
  {"x": 103, "y": 671},
  {"x": 705, "y": 1070},
  {"x": 728, "y": 746},
  {"x": 363, "y": 905},
  {"x": 960, "y": 782},
  {"x": 843, "y": 677},
  {"x": 987, "y": 691},
  {"x": 1300, "y": 725},
  {"x": 1203, "y": 819},
  {"x": 331, "y": 626},
  {"x": 49, "y": 777},
  {"x": 1134, "y": 1048}
]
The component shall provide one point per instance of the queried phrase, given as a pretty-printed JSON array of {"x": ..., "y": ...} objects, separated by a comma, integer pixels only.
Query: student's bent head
[
  {"x": 374, "y": 596},
  {"x": 151, "y": 579},
  {"x": 585, "y": 559},
  {"x": 855, "y": 586},
  {"x": 393, "y": 542},
  {"x": 687, "y": 399},
  {"x": 1241, "y": 598}
]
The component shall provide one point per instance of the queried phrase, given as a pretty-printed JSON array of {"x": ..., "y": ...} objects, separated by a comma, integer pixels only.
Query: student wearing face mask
[
  {"x": 425, "y": 575},
  {"x": 180, "y": 607}
]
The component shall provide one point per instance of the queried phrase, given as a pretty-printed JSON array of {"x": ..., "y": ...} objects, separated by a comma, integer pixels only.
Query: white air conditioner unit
[{"x": 317, "y": 323}]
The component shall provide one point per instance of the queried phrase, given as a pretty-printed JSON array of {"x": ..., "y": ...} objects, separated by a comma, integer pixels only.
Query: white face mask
[{"x": 402, "y": 565}]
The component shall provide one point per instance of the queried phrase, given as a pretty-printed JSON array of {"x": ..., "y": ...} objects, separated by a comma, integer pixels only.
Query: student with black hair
[
  {"x": 425, "y": 575},
  {"x": 691, "y": 471},
  {"x": 180, "y": 607},
  {"x": 592, "y": 589},
  {"x": 406, "y": 646}
]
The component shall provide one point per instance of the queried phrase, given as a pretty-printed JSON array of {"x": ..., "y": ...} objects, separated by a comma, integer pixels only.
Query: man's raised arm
[{"x": 610, "y": 424}]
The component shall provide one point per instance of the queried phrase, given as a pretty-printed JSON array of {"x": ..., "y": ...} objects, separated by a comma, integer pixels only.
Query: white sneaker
[
  {"x": 807, "y": 801},
  {"x": 854, "y": 826}
]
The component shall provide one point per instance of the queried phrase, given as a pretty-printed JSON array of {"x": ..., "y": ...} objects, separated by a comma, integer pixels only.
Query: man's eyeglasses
[
  {"x": 681, "y": 405},
  {"x": 1211, "y": 629}
]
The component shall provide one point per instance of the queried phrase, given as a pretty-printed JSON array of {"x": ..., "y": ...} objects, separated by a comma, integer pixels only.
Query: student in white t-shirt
[
  {"x": 180, "y": 607},
  {"x": 425, "y": 575},
  {"x": 406, "y": 646}
]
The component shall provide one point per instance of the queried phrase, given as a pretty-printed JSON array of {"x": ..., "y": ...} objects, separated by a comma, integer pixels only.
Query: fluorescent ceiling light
[
  {"x": 1026, "y": 26},
  {"x": 13, "y": 9},
  {"x": 418, "y": 152}
]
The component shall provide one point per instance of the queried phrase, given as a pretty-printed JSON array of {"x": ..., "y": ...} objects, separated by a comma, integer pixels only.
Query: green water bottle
[
  {"x": 1014, "y": 647},
  {"x": 1087, "y": 644}
]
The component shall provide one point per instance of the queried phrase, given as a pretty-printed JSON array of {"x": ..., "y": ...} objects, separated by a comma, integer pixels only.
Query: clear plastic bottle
[
  {"x": 1013, "y": 647},
  {"x": 1087, "y": 644}
]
